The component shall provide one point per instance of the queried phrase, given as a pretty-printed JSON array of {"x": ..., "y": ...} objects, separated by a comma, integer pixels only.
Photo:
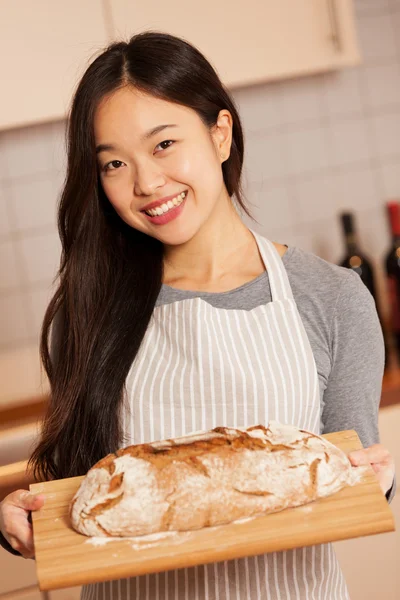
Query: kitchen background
[{"x": 315, "y": 145}]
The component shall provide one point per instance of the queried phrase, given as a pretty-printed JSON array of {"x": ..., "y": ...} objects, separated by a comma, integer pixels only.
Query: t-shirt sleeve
[{"x": 353, "y": 392}]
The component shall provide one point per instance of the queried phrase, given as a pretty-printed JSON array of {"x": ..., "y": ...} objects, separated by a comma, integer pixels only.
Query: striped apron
[{"x": 201, "y": 367}]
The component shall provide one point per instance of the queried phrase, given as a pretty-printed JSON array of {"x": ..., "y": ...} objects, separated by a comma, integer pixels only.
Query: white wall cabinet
[
  {"x": 44, "y": 48},
  {"x": 251, "y": 41}
]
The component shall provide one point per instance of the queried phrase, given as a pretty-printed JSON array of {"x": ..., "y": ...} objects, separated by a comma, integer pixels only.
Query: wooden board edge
[{"x": 192, "y": 559}]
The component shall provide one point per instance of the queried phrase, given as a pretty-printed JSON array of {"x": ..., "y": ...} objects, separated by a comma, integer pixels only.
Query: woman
[{"x": 172, "y": 316}]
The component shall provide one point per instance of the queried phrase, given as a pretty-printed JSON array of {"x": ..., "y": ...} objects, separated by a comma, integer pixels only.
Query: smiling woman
[{"x": 172, "y": 316}]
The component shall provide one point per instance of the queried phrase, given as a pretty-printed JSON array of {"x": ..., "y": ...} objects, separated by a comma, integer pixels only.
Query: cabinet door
[
  {"x": 44, "y": 48},
  {"x": 251, "y": 41}
]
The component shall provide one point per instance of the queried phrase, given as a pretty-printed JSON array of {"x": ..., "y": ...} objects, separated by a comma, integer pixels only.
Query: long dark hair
[{"x": 110, "y": 274}]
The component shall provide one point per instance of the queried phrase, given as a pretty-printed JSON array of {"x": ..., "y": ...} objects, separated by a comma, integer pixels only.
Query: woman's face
[{"x": 138, "y": 169}]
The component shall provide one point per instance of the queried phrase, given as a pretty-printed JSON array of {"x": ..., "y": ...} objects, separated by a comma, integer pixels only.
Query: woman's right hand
[{"x": 14, "y": 524}]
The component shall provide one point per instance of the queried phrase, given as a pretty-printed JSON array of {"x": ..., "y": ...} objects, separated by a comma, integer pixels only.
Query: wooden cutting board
[{"x": 66, "y": 558}]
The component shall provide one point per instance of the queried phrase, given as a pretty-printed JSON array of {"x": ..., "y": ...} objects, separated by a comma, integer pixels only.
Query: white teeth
[{"x": 160, "y": 210}]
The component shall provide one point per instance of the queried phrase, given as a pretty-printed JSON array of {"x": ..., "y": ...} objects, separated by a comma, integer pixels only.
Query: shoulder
[
  {"x": 324, "y": 292},
  {"x": 315, "y": 276},
  {"x": 302, "y": 263}
]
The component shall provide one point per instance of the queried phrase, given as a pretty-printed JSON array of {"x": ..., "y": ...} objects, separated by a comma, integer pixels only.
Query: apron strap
[{"x": 278, "y": 278}]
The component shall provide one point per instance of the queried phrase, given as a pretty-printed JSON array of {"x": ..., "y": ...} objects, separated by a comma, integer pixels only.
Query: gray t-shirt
[{"x": 340, "y": 318}]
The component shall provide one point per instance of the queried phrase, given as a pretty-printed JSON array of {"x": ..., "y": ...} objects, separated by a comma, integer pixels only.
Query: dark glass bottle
[
  {"x": 392, "y": 263},
  {"x": 354, "y": 258},
  {"x": 357, "y": 261}
]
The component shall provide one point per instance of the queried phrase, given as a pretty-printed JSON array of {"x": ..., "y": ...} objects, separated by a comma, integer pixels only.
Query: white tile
[
  {"x": 361, "y": 189},
  {"x": 382, "y": 85},
  {"x": 26, "y": 151},
  {"x": 377, "y": 38},
  {"x": 390, "y": 174},
  {"x": 281, "y": 235},
  {"x": 322, "y": 238},
  {"x": 327, "y": 241},
  {"x": 57, "y": 146},
  {"x": 58, "y": 180},
  {"x": 306, "y": 150},
  {"x": 365, "y": 7},
  {"x": 34, "y": 203},
  {"x": 387, "y": 133},
  {"x": 264, "y": 157},
  {"x": 395, "y": 21},
  {"x": 10, "y": 276},
  {"x": 4, "y": 217},
  {"x": 13, "y": 326},
  {"x": 300, "y": 238},
  {"x": 316, "y": 198},
  {"x": 342, "y": 92},
  {"x": 271, "y": 206},
  {"x": 373, "y": 232},
  {"x": 38, "y": 300},
  {"x": 258, "y": 106},
  {"x": 301, "y": 99},
  {"x": 3, "y": 169},
  {"x": 41, "y": 256},
  {"x": 349, "y": 142}
]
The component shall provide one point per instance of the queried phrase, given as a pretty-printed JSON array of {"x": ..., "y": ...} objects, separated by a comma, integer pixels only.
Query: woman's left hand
[{"x": 380, "y": 460}]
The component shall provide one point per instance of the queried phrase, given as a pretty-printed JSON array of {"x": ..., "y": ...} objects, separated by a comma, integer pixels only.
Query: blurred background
[{"x": 317, "y": 84}]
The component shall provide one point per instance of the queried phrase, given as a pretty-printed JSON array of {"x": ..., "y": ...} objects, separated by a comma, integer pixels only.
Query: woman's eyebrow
[{"x": 146, "y": 136}]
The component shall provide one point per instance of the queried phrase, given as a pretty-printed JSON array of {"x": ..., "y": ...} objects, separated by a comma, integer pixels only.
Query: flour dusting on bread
[{"x": 206, "y": 479}]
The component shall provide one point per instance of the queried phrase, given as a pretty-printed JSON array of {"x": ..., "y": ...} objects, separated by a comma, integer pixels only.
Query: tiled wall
[
  {"x": 321, "y": 144},
  {"x": 314, "y": 146}
]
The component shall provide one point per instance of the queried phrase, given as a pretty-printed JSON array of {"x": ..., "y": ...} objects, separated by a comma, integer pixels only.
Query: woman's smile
[{"x": 168, "y": 211}]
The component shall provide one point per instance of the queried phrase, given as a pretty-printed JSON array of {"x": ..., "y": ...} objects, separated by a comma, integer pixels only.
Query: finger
[
  {"x": 22, "y": 535},
  {"x": 25, "y": 537},
  {"x": 374, "y": 454},
  {"x": 19, "y": 547}
]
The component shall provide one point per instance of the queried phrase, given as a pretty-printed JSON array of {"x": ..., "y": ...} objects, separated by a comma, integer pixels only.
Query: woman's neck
[{"x": 223, "y": 250}]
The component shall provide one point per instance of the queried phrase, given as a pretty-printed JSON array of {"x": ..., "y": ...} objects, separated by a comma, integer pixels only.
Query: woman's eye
[
  {"x": 117, "y": 163},
  {"x": 165, "y": 142},
  {"x": 113, "y": 162}
]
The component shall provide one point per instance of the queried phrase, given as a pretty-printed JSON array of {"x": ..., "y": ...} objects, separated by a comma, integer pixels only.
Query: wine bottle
[
  {"x": 393, "y": 271},
  {"x": 354, "y": 258},
  {"x": 357, "y": 261}
]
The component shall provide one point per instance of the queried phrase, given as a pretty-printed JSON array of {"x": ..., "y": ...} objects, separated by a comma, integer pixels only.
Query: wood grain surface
[{"x": 66, "y": 558}]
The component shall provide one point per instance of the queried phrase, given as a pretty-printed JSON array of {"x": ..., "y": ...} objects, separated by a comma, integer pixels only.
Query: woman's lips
[{"x": 172, "y": 214}]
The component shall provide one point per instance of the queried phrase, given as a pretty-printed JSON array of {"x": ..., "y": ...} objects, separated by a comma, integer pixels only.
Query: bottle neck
[{"x": 351, "y": 243}]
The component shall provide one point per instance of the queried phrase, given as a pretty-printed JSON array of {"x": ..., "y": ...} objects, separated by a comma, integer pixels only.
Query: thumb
[{"x": 30, "y": 501}]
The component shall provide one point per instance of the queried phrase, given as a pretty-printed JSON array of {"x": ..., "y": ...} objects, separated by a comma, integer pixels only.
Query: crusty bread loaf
[{"x": 206, "y": 478}]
